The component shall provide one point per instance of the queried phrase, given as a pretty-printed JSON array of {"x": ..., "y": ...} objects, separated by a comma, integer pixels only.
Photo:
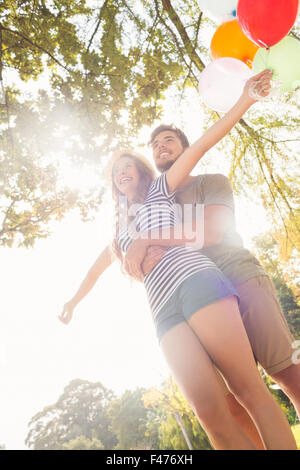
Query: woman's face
[{"x": 126, "y": 176}]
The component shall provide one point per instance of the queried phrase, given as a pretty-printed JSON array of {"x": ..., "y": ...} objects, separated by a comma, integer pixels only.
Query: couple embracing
[{"x": 215, "y": 310}]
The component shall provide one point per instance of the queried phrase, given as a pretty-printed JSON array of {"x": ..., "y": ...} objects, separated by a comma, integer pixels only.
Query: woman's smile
[
  {"x": 125, "y": 179},
  {"x": 126, "y": 176}
]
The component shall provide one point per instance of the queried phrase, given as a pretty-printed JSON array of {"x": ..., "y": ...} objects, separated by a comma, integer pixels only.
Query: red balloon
[{"x": 266, "y": 22}]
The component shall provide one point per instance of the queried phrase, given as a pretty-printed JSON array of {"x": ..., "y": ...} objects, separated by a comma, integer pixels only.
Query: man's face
[{"x": 166, "y": 148}]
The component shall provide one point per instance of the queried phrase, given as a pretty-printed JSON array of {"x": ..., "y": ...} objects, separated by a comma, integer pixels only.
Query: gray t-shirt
[{"x": 236, "y": 262}]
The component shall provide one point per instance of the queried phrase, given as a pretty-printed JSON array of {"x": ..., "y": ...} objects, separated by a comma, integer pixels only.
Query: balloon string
[{"x": 267, "y": 57}]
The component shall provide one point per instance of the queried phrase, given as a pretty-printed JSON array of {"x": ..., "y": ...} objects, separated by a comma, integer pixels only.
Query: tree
[
  {"x": 131, "y": 421},
  {"x": 285, "y": 278},
  {"x": 109, "y": 65},
  {"x": 82, "y": 410},
  {"x": 286, "y": 282},
  {"x": 82, "y": 443},
  {"x": 178, "y": 425},
  {"x": 98, "y": 80},
  {"x": 282, "y": 399}
]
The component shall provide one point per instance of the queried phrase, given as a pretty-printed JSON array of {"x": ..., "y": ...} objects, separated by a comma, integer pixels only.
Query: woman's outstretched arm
[
  {"x": 190, "y": 157},
  {"x": 104, "y": 260}
]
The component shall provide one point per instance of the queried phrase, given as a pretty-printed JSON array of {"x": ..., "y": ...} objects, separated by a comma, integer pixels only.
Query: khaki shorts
[{"x": 266, "y": 326}]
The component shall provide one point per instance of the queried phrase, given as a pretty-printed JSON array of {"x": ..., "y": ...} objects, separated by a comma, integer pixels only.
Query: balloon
[
  {"x": 230, "y": 41},
  {"x": 284, "y": 60},
  {"x": 266, "y": 22},
  {"x": 219, "y": 8},
  {"x": 222, "y": 82}
]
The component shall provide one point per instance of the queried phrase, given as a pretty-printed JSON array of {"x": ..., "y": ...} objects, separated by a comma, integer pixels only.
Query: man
[{"x": 267, "y": 329}]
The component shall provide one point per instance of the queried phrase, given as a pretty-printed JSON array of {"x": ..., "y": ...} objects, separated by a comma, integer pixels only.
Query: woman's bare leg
[
  {"x": 197, "y": 379},
  {"x": 220, "y": 330},
  {"x": 244, "y": 420}
]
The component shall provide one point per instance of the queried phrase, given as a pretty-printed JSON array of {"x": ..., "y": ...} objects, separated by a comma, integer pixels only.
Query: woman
[{"x": 194, "y": 307}]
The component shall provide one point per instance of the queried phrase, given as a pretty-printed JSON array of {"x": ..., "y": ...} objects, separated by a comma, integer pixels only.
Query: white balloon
[
  {"x": 222, "y": 82},
  {"x": 219, "y": 8}
]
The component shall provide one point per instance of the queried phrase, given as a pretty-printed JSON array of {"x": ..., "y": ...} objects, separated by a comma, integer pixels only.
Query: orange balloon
[{"x": 230, "y": 41}]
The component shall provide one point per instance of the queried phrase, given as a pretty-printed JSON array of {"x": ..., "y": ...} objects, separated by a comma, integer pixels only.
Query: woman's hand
[
  {"x": 135, "y": 254},
  {"x": 67, "y": 313},
  {"x": 259, "y": 84}
]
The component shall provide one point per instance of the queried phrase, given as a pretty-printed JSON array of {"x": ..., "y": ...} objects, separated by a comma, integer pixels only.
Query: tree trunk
[{"x": 180, "y": 424}]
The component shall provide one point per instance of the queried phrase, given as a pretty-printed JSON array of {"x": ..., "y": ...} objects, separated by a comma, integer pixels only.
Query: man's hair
[{"x": 164, "y": 127}]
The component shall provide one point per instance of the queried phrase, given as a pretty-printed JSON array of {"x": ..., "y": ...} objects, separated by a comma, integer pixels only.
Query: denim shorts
[{"x": 197, "y": 291}]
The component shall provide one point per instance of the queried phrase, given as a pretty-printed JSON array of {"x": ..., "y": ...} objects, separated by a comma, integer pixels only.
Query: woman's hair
[{"x": 146, "y": 176}]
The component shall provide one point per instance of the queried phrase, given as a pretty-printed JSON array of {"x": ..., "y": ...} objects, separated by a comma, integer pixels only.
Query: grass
[{"x": 296, "y": 431}]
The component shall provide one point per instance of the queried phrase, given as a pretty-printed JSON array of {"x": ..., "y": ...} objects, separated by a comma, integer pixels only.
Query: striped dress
[{"x": 179, "y": 262}]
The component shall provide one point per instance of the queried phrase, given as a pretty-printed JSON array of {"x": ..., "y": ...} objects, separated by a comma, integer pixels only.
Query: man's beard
[{"x": 164, "y": 166}]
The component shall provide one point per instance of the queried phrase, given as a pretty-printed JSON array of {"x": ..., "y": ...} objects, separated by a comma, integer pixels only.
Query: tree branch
[
  {"x": 294, "y": 35},
  {"x": 173, "y": 34},
  {"x": 190, "y": 49},
  {"x": 34, "y": 44},
  {"x": 97, "y": 25},
  {"x": 258, "y": 144}
]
